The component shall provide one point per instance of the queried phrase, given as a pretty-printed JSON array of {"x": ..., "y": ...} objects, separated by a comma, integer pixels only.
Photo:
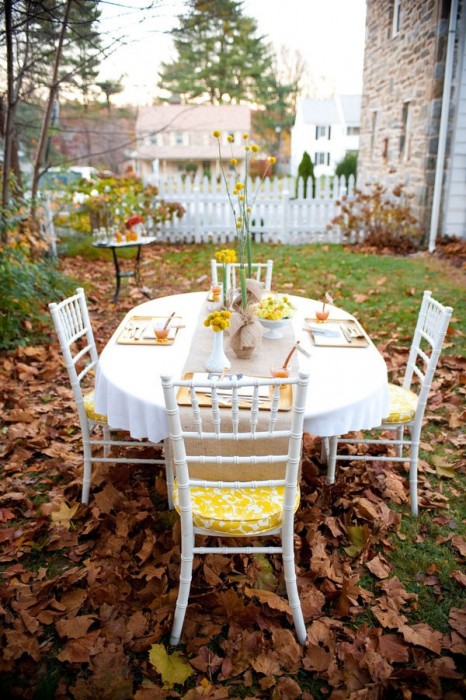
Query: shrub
[
  {"x": 110, "y": 201},
  {"x": 382, "y": 217},
  {"x": 26, "y": 287},
  {"x": 348, "y": 166},
  {"x": 305, "y": 171}
]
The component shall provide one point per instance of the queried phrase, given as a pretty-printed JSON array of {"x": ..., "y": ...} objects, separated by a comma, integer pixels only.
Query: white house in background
[
  {"x": 327, "y": 130},
  {"x": 177, "y": 139}
]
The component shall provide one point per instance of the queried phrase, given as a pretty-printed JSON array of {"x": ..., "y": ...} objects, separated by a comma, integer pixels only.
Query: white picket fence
[{"x": 279, "y": 215}]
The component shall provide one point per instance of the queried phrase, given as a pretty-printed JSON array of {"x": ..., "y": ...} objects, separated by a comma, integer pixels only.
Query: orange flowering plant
[{"x": 240, "y": 202}]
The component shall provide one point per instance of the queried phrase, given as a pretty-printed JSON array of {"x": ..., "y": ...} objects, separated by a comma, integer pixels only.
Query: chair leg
[
  {"x": 169, "y": 475},
  {"x": 413, "y": 462},
  {"x": 187, "y": 542},
  {"x": 399, "y": 436},
  {"x": 331, "y": 458},
  {"x": 106, "y": 432},
  {"x": 292, "y": 588},
  {"x": 87, "y": 454},
  {"x": 324, "y": 450}
]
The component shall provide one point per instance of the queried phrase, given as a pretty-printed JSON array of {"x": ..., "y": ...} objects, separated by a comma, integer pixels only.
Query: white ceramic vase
[{"x": 217, "y": 360}]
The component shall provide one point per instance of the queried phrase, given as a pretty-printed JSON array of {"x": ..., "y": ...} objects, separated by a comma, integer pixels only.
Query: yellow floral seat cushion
[
  {"x": 237, "y": 512},
  {"x": 402, "y": 404},
  {"x": 90, "y": 408}
]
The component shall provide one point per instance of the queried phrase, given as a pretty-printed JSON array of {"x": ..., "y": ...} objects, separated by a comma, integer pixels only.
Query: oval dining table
[{"x": 348, "y": 388}]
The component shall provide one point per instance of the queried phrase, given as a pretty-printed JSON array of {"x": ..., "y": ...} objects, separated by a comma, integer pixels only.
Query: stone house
[
  {"x": 413, "y": 116},
  {"x": 177, "y": 139},
  {"x": 327, "y": 130}
]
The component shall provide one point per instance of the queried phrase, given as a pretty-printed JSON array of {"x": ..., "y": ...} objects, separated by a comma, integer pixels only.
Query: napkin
[{"x": 328, "y": 330}]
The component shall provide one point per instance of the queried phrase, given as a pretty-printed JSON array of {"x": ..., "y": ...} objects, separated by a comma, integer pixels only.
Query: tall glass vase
[{"x": 217, "y": 360}]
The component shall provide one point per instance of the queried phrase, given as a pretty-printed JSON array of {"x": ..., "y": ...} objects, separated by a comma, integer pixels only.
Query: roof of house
[
  {"x": 190, "y": 118},
  {"x": 182, "y": 117},
  {"x": 327, "y": 111},
  {"x": 351, "y": 105}
]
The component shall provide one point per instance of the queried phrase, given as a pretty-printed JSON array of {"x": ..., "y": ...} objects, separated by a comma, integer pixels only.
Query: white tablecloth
[{"x": 347, "y": 390}]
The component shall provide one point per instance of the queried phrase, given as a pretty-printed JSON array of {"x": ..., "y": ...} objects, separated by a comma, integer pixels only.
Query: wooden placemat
[
  {"x": 352, "y": 334},
  {"x": 285, "y": 403}
]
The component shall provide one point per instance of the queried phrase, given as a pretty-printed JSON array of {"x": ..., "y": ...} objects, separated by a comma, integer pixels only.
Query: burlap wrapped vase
[{"x": 245, "y": 333}]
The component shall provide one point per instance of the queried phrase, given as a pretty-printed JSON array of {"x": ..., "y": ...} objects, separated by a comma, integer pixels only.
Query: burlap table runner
[{"x": 271, "y": 352}]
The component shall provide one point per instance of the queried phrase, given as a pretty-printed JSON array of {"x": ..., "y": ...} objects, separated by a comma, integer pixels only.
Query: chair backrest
[
  {"x": 236, "y": 441},
  {"x": 261, "y": 272},
  {"x": 431, "y": 328},
  {"x": 74, "y": 331}
]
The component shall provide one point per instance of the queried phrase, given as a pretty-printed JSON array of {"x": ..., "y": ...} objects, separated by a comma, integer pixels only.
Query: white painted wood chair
[
  {"x": 262, "y": 272},
  {"x": 76, "y": 338},
  {"x": 407, "y": 403},
  {"x": 236, "y": 473}
]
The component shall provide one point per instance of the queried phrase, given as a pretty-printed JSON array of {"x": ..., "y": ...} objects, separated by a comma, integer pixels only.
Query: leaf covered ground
[{"x": 87, "y": 596}]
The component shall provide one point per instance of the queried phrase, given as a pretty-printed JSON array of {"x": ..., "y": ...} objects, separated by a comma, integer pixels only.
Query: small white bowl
[{"x": 272, "y": 328}]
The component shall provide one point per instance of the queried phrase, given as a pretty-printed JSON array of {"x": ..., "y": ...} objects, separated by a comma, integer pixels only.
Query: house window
[
  {"x": 322, "y": 132},
  {"x": 405, "y": 136},
  {"x": 322, "y": 159},
  {"x": 396, "y": 17},
  {"x": 385, "y": 150},
  {"x": 153, "y": 139},
  {"x": 373, "y": 131},
  {"x": 179, "y": 138},
  {"x": 352, "y": 130}
]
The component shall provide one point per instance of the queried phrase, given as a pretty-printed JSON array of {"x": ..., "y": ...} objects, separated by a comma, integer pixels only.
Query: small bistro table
[{"x": 114, "y": 247}]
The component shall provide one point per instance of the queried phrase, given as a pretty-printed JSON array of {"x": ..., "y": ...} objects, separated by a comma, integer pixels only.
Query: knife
[
  {"x": 346, "y": 334},
  {"x": 139, "y": 331}
]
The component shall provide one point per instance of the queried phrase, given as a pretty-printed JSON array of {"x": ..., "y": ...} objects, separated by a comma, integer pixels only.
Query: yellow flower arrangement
[
  {"x": 274, "y": 308},
  {"x": 238, "y": 197},
  {"x": 226, "y": 256},
  {"x": 218, "y": 320}
]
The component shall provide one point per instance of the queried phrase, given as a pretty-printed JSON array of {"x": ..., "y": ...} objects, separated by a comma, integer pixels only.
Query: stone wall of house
[{"x": 403, "y": 75}]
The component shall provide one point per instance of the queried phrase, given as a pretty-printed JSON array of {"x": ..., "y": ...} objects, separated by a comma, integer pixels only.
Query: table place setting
[
  {"x": 225, "y": 396},
  {"x": 341, "y": 333},
  {"x": 150, "y": 330}
]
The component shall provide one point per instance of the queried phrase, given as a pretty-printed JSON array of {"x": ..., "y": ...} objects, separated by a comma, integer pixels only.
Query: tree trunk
[
  {"x": 48, "y": 111},
  {"x": 9, "y": 122}
]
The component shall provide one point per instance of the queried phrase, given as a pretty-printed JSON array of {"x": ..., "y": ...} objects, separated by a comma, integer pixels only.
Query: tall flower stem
[
  {"x": 244, "y": 290},
  {"x": 249, "y": 251}
]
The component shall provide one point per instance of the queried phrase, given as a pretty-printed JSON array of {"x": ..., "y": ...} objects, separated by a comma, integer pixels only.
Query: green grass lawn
[{"x": 383, "y": 291}]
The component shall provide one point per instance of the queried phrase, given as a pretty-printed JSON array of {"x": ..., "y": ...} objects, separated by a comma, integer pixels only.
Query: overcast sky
[{"x": 329, "y": 34}]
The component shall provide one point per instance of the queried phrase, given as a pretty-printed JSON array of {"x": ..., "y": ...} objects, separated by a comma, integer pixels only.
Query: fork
[{"x": 355, "y": 332}]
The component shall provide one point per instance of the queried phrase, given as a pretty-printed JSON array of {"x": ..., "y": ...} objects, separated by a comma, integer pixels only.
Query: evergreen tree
[
  {"x": 82, "y": 53},
  {"x": 347, "y": 166},
  {"x": 220, "y": 57},
  {"x": 305, "y": 171}
]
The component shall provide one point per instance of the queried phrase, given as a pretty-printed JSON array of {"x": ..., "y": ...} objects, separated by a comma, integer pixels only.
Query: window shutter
[{"x": 329, "y": 132}]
